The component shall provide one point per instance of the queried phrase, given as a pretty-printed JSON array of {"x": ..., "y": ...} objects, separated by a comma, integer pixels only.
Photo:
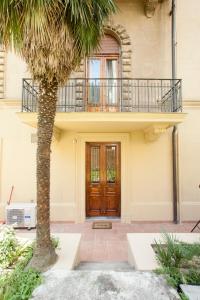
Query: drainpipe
[
  {"x": 175, "y": 156},
  {"x": 175, "y": 169}
]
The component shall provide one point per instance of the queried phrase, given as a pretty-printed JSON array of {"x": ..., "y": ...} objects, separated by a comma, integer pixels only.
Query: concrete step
[
  {"x": 103, "y": 285},
  {"x": 122, "y": 266}
]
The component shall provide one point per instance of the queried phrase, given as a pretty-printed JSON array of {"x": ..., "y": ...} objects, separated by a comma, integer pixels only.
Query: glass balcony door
[
  {"x": 94, "y": 83},
  {"x": 103, "y": 89}
]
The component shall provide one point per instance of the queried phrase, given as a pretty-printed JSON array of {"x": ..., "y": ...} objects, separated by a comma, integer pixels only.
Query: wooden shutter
[{"x": 108, "y": 45}]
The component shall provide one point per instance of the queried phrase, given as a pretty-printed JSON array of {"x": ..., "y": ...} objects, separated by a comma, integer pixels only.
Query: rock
[{"x": 191, "y": 291}]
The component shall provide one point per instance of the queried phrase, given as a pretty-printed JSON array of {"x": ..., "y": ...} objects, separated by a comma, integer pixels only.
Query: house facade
[{"x": 126, "y": 139}]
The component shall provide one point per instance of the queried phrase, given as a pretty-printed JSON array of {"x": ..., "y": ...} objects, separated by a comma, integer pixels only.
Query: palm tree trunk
[{"x": 44, "y": 254}]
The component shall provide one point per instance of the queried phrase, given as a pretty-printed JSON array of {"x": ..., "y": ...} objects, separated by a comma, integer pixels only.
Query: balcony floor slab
[{"x": 109, "y": 121}]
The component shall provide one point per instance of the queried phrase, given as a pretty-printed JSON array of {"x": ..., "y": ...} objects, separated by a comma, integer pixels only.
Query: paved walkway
[
  {"x": 111, "y": 244},
  {"x": 110, "y": 247}
]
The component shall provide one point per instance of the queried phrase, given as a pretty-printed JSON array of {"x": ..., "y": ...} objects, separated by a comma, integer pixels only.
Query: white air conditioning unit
[{"x": 21, "y": 215}]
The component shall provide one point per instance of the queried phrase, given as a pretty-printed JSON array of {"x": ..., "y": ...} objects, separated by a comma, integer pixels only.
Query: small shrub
[
  {"x": 16, "y": 284},
  {"x": 179, "y": 262},
  {"x": 9, "y": 248},
  {"x": 19, "y": 284},
  {"x": 191, "y": 255},
  {"x": 190, "y": 250},
  {"x": 173, "y": 276},
  {"x": 169, "y": 254},
  {"x": 193, "y": 277}
]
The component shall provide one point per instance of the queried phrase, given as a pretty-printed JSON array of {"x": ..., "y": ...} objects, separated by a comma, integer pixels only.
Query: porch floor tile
[{"x": 111, "y": 244}]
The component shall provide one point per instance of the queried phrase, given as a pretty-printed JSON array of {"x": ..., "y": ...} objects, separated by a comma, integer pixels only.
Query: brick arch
[{"x": 121, "y": 35}]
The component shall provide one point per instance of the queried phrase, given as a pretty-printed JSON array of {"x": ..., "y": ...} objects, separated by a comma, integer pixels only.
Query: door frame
[
  {"x": 80, "y": 154},
  {"x": 118, "y": 167}
]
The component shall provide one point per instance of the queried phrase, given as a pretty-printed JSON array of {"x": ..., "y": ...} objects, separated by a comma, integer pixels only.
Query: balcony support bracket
[
  {"x": 150, "y": 7},
  {"x": 153, "y": 132}
]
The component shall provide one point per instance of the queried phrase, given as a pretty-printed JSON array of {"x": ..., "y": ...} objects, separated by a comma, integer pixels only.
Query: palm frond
[{"x": 53, "y": 35}]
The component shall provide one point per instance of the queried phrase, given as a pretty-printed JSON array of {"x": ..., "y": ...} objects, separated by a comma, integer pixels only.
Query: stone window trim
[{"x": 120, "y": 33}]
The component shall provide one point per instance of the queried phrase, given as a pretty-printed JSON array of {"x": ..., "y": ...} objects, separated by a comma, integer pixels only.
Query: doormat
[{"x": 102, "y": 225}]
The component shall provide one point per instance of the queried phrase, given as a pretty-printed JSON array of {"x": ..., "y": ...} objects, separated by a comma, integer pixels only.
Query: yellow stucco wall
[
  {"x": 188, "y": 43},
  {"x": 146, "y": 170},
  {"x": 16, "y": 154},
  {"x": 147, "y": 177},
  {"x": 189, "y": 164},
  {"x": 151, "y": 172}
]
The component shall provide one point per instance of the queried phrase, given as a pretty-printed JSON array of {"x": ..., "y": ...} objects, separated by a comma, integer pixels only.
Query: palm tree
[{"x": 52, "y": 36}]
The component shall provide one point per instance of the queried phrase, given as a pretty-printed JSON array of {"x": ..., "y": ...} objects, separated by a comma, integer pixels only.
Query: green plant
[
  {"x": 190, "y": 250},
  {"x": 173, "y": 276},
  {"x": 183, "y": 296},
  {"x": 191, "y": 255},
  {"x": 55, "y": 242},
  {"x": 169, "y": 253},
  {"x": 193, "y": 277},
  {"x": 19, "y": 284},
  {"x": 25, "y": 256},
  {"x": 179, "y": 262},
  {"x": 9, "y": 248}
]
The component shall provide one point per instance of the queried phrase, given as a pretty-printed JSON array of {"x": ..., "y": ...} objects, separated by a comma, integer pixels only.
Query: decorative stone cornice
[
  {"x": 191, "y": 104},
  {"x": 150, "y": 7},
  {"x": 10, "y": 103}
]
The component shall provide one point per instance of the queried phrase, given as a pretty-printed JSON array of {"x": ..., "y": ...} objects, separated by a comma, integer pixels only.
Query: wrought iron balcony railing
[{"x": 110, "y": 95}]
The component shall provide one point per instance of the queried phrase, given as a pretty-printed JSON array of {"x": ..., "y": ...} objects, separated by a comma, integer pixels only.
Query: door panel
[
  {"x": 112, "y": 182},
  {"x": 103, "y": 179},
  {"x": 93, "y": 177}
]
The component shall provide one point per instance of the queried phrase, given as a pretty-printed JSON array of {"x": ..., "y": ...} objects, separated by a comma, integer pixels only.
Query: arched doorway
[{"x": 103, "y": 72}]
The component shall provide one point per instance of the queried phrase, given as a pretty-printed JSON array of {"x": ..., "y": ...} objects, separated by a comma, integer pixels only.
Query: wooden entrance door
[{"x": 103, "y": 181}]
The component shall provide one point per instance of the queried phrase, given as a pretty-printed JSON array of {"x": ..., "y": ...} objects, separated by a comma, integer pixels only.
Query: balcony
[
  {"x": 110, "y": 95},
  {"x": 110, "y": 105}
]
